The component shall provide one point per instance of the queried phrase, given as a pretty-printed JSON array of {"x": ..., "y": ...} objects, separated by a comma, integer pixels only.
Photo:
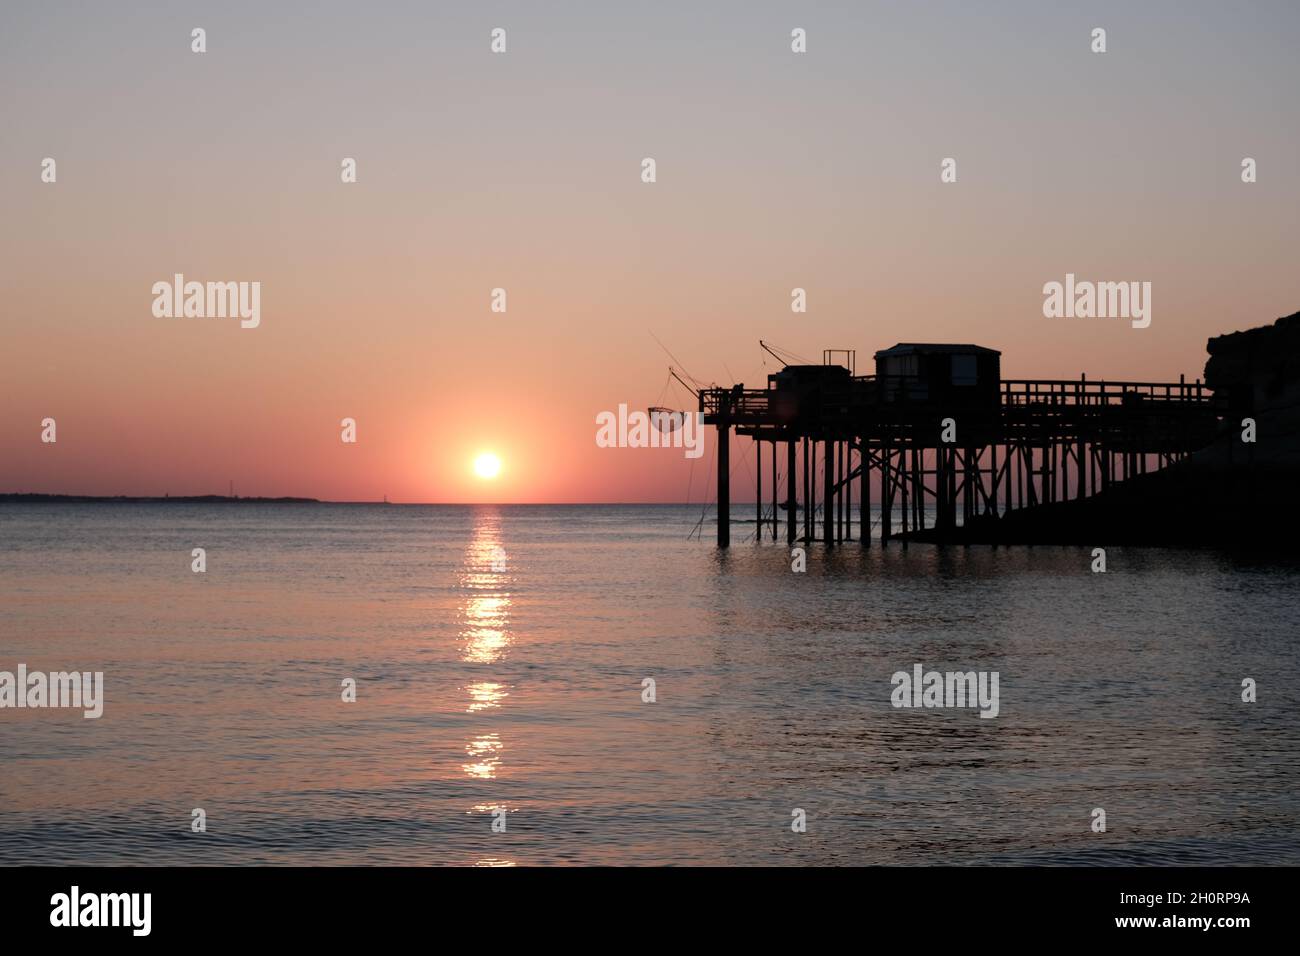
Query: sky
[{"x": 522, "y": 170}]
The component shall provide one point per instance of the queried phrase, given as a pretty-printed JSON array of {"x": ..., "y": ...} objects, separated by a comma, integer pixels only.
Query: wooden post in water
[
  {"x": 1082, "y": 456},
  {"x": 991, "y": 506},
  {"x": 848, "y": 491},
  {"x": 803, "y": 468},
  {"x": 809, "y": 491},
  {"x": 947, "y": 461},
  {"x": 845, "y": 471},
  {"x": 840, "y": 471},
  {"x": 791, "y": 491},
  {"x": 905, "y": 476},
  {"x": 724, "y": 485},
  {"x": 918, "y": 489},
  {"x": 864, "y": 505},
  {"x": 886, "y": 494},
  {"x": 775, "y": 510},
  {"x": 842, "y": 487},
  {"x": 828, "y": 493}
]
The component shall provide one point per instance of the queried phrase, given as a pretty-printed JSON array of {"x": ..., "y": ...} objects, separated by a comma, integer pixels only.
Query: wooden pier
[{"x": 937, "y": 433}]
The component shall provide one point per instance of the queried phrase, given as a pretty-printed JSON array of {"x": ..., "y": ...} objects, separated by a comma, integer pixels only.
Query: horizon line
[{"x": 15, "y": 497}]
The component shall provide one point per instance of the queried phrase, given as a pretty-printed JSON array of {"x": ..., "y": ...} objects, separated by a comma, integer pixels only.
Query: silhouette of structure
[{"x": 938, "y": 433}]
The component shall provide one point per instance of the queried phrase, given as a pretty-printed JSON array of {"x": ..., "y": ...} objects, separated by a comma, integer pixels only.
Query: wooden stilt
[
  {"x": 724, "y": 486},
  {"x": 775, "y": 506},
  {"x": 806, "y": 502},
  {"x": 864, "y": 495},
  {"x": 791, "y": 492},
  {"x": 886, "y": 495},
  {"x": 828, "y": 494}
]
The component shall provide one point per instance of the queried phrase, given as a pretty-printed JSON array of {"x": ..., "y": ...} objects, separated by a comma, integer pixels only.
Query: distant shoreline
[
  {"x": 36, "y": 498},
  {"x": 23, "y": 498}
]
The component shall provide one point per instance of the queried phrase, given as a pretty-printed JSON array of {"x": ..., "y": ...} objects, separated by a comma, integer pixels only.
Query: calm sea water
[{"x": 499, "y": 654}]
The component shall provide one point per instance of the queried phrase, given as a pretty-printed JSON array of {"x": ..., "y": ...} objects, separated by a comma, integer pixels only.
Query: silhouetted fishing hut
[{"x": 937, "y": 428}]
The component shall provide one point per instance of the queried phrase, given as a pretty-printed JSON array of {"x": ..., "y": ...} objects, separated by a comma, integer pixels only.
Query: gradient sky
[{"x": 522, "y": 171}]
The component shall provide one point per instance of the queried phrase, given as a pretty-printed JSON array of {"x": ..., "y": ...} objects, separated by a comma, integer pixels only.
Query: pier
[{"x": 936, "y": 439}]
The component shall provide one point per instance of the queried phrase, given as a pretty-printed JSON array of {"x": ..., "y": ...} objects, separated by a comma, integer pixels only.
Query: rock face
[
  {"x": 1259, "y": 371},
  {"x": 1231, "y": 493}
]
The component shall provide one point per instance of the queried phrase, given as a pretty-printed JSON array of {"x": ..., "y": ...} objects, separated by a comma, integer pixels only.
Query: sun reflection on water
[
  {"x": 485, "y": 695},
  {"x": 485, "y": 635},
  {"x": 484, "y": 753},
  {"x": 486, "y": 609}
]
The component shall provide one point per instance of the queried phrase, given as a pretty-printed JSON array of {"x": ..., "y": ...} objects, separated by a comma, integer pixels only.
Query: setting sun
[{"x": 487, "y": 465}]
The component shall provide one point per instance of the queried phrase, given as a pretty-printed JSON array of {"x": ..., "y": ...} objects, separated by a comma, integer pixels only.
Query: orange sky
[{"x": 522, "y": 171}]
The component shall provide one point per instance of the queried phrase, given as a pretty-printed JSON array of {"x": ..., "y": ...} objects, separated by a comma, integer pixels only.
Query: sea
[{"x": 525, "y": 685}]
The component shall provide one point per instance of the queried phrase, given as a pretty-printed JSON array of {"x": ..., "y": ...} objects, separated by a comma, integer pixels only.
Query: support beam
[
  {"x": 828, "y": 494},
  {"x": 775, "y": 508},
  {"x": 724, "y": 485},
  {"x": 1081, "y": 456},
  {"x": 864, "y": 504},
  {"x": 841, "y": 469},
  {"x": 991, "y": 506},
  {"x": 886, "y": 495},
  {"x": 809, "y": 492},
  {"x": 918, "y": 489},
  {"x": 848, "y": 491},
  {"x": 842, "y": 491},
  {"x": 904, "y": 478},
  {"x": 791, "y": 497},
  {"x": 941, "y": 502}
]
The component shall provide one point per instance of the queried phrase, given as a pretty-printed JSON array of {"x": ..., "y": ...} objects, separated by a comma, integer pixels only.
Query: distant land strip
[{"x": 24, "y": 498}]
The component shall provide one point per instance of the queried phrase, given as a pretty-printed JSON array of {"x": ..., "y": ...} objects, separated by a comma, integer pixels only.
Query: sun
[{"x": 487, "y": 465}]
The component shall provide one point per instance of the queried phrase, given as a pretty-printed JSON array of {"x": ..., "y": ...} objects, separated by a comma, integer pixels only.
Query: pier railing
[
  {"x": 1020, "y": 391},
  {"x": 766, "y": 406}
]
